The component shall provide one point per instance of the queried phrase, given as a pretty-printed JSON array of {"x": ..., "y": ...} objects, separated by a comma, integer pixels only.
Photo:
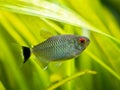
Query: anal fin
[{"x": 42, "y": 62}]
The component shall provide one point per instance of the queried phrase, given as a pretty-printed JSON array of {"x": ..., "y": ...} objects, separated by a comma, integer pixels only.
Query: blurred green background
[{"x": 22, "y": 21}]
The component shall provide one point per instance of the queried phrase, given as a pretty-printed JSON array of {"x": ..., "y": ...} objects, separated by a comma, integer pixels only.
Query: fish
[{"x": 57, "y": 48}]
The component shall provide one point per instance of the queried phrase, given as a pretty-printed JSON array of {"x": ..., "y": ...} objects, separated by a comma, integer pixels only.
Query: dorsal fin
[{"x": 45, "y": 34}]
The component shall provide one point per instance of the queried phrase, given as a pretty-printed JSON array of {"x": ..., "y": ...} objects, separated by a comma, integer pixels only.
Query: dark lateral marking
[{"x": 26, "y": 53}]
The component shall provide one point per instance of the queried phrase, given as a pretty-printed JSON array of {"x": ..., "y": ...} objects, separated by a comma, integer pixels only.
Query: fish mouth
[{"x": 87, "y": 42}]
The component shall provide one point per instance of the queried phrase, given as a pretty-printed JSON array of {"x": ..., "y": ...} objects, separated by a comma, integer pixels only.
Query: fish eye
[{"x": 82, "y": 40}]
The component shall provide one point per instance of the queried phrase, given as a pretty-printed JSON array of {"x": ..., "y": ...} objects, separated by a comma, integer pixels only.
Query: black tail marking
[{"x": 26, "y": 53}]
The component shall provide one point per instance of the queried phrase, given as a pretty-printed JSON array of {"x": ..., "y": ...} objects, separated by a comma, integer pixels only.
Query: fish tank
[{"x": 59, "y": 45}]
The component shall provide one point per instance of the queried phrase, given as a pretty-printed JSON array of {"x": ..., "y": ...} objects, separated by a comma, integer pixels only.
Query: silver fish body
[{"x": 61, "y": 47}]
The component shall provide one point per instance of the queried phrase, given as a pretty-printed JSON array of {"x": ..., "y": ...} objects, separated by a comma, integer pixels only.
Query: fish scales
[{"x": 56, "y": 48}]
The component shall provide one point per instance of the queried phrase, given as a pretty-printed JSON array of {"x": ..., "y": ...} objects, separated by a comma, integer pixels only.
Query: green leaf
[
  {"x": 52, "y": 87},
  {"x": 1, "y": 86}
]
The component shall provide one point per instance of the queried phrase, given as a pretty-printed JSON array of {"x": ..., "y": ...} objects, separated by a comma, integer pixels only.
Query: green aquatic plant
[{"x": 21, "y": 24}]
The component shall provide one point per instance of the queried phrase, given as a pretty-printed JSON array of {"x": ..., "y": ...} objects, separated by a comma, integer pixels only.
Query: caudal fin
[{"x": 26, "y": 53}]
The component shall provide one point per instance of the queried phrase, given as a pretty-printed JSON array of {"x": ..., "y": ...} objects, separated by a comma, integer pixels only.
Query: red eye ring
[{"x": 82, "y": 40}]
